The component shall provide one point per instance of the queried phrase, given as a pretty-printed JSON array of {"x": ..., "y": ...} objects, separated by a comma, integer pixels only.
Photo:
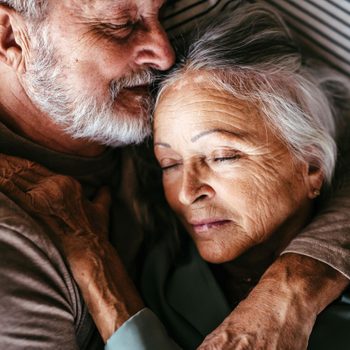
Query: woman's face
[{"x": 231, "y": 182}]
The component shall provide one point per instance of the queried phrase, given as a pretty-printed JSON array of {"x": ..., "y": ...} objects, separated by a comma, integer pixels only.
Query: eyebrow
[
  {"x": 205, "y": 133},
  {"x": 163, "y": 144},
  {"x": 218, "y": 130}
]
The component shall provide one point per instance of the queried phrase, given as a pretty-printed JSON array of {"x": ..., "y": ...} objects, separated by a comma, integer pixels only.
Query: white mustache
[{"x": 146, "y": 77}]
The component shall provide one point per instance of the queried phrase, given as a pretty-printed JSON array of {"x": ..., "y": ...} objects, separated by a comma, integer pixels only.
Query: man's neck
[{"x": 20, "y": 115}]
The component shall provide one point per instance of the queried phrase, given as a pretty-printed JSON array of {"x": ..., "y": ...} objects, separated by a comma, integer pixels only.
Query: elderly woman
[
  {"x": 244, "y": 132},
  {"x": 245, "y": 139}
]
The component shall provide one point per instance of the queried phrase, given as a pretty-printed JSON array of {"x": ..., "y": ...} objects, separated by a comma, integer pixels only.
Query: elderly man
[{"x": 74, "y": 80}]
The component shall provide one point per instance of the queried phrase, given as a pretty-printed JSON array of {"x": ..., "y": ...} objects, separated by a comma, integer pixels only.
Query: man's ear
[
  {"x": 13, "y": 38},
  {"x": 315, "y": 179}
]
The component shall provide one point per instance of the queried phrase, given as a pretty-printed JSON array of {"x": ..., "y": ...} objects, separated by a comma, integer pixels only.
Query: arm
[
  {"x": 281, "y": 310},
  {"x": 82, "y": 228}
]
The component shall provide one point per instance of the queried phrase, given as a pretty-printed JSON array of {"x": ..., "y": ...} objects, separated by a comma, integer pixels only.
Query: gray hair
[
  {"x": 31, "y": 9},
  {"x": 251, "y": 55}
]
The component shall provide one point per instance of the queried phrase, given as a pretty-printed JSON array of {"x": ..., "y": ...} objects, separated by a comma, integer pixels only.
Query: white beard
[{"x": 81, "y": 115}]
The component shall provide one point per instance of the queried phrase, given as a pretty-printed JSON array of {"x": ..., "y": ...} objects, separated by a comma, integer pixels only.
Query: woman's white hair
[{"x": 251, "y": 55}]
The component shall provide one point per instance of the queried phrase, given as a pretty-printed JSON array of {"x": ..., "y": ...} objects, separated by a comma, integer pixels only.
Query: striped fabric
[
  {"x": 181, "y": 16},
  {"x": 321, "y": 25}
]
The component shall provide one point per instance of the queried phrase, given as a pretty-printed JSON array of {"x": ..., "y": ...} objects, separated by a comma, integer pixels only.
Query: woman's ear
[
  {"x": 315, "y": 178},
  {"x": 13, "y": 38}
]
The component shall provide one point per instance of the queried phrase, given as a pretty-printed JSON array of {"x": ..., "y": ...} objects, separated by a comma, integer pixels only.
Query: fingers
[
  {"x": 43, "y": 193},
  {"x": 11, "y": 190},
  {"x": 35, "y": 191},
  {"x": 56, "y": 195},
  {"x": 24, "y": 175},
  {"x": 23, "y": 182},
  {"x": 10, "y": 165}
]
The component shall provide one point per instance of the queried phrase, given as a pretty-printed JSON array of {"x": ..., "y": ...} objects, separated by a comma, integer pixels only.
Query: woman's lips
[{"x": 205, "y": 226}]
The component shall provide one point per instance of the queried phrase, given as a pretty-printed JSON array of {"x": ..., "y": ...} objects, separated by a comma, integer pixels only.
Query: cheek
[
  {"x": 98, "y": 67},
  {"x": 272, "y": 195},
  {"x": 115, "y": 63},
  {"x": 255, "y": 194},
  {"x": 240, "y": 188}
]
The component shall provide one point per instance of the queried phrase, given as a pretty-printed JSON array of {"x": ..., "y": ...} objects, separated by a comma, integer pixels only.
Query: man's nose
[
  {"x": 155, "y": 49},
  {"x": 194, "y": 188}
]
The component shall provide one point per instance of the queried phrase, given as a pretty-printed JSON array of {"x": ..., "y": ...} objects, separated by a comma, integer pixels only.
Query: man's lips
[
  {"x": 205, "y": 226},
  {"x": 128, "y": 94},
  {"x": 138, "y": 88}
]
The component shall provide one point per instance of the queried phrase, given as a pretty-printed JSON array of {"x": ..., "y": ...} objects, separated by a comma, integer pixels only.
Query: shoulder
[{"x": 40, "y": 304}]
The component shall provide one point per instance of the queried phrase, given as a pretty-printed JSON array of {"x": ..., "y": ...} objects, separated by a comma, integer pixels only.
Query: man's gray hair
[
  {"x": 31, "y": 9},
  {"x": 251, "y": 55}
]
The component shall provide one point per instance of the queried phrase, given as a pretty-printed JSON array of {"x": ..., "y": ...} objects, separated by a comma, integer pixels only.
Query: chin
[{"x": 214, "y": 255}]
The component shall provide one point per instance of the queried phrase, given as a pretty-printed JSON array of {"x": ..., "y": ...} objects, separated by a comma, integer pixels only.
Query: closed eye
[
  {"x": 227, "y": 158},
  {"x": 169, "y": 167},
  {"x": 116, "y": 27},
  {"x": 115, "y": 31}
]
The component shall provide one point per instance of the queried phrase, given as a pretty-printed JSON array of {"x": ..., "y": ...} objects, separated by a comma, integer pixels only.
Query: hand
[
  {"x": 81, "y": 225},
  {"x": 281, "y": 310},
  {"x": 58, "y": 201}
]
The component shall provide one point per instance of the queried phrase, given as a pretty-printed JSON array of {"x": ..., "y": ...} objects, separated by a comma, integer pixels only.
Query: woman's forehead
[
  {"x": 200, "y": 99},
  {"x": 197, "y": 109}
]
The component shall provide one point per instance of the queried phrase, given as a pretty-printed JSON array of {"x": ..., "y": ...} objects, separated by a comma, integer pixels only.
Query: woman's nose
[
  {"x": 194, "y": 188},
  {"x": 155, "y": 50}
]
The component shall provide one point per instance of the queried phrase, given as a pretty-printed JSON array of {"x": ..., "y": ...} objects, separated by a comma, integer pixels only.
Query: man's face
[{"x": 91, "y": 63}]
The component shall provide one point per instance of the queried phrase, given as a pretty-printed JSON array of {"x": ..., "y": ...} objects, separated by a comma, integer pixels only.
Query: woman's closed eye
[
  {"x": 169, "y": 165},
  {"x": 226, "y": 157}
]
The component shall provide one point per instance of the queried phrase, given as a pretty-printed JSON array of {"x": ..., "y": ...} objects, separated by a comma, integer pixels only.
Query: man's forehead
[
  {"x": 116, "y": 3},
  {"x": 107, "y": 9}
]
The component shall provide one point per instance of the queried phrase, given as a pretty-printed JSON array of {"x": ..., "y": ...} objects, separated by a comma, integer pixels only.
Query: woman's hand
[
  {"x": 81, "y": 225},
  {"x": 281, "y": 310}
]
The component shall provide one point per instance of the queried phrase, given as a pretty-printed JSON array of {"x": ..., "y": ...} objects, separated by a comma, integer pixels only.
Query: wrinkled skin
[
  {"x": 240, "y": 194},
  {"x": 280, "y": 312},
  {"x": 272, "y": 317},
  {"x": 277, "y": 315},
  {"x": 80, "y": 53},
  {"x": 223, "y": 167},
  {"x": 58, "y": 202}
]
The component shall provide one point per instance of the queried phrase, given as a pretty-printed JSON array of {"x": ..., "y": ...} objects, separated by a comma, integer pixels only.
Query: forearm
[
  {"x": 280, "y": 312},
  {"x": 313, "y": 283},
  {"x": 106, "y": 288}
]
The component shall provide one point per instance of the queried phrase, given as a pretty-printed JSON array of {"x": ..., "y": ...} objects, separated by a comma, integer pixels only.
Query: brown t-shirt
[{"x": 41, "y": 307}]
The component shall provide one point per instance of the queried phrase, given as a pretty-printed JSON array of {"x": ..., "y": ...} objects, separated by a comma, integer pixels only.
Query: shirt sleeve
[
  {"x": 40, "y": 306},
  {"x": 143, "y": 331},
  {"x": 327, "y": 237}
]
